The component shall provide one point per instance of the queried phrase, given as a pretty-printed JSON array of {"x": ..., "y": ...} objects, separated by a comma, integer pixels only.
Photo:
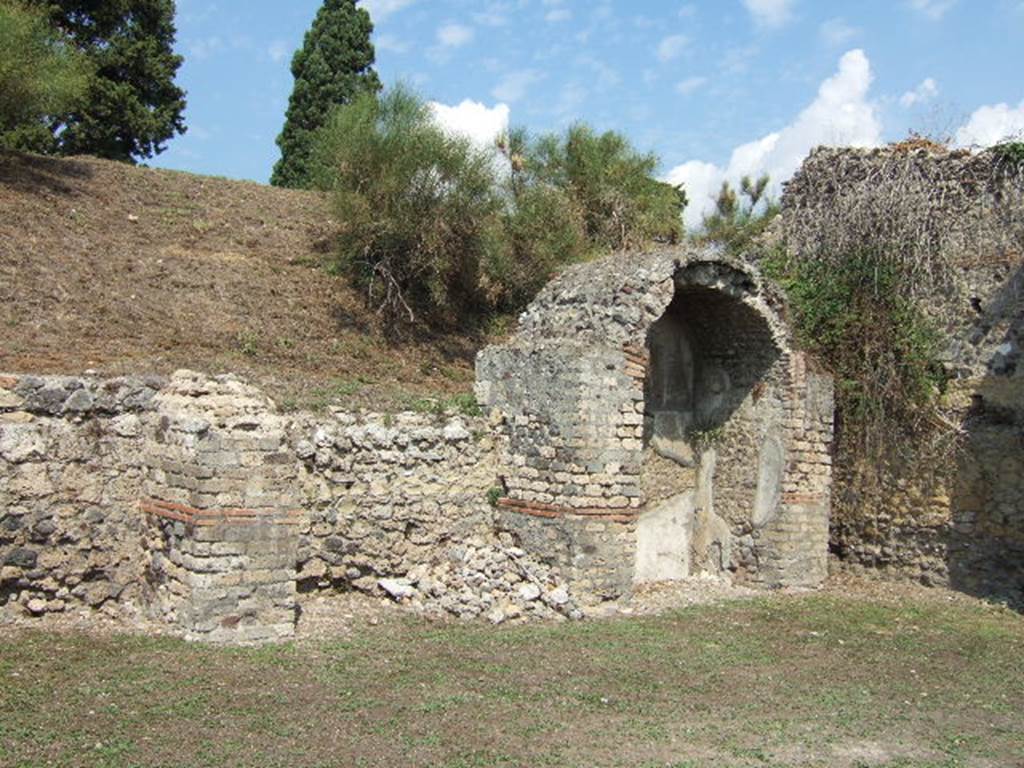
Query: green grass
[{"x": 779, "y": 681}]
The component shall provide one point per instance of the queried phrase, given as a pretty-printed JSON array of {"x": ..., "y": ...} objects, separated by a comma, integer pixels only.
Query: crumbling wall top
[{"x": 615, "y": 300}]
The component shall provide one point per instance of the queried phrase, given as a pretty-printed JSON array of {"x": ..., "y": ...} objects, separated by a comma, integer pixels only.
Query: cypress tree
[
  {"x": 131, "y": 105},
  {"x": 334, "y": 65}
]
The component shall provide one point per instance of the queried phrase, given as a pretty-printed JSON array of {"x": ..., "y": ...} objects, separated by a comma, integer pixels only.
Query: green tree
[
  {"x": 132, "y": 105},
  {"x": 613, "y": 184},
  {"x": 421, "y": 208},
  {"x": 333, "y": 67},
  {"x": 740, "y": 218},
  {"x": 40, "y": 73}
]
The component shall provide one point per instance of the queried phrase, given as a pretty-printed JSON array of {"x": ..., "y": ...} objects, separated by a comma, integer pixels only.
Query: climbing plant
[{"x": 876, "y": 340}]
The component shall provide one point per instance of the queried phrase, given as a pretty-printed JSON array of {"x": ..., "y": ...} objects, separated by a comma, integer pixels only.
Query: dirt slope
[{"x": 119, "y": 269}]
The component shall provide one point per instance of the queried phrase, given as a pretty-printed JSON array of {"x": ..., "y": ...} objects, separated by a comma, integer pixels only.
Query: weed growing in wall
[
  {"x": 463, "y": 403},
  {"x": 1010, "y": 154},
  {"x": 877, "y": 342},
  {"x": 739, "y": 219}
]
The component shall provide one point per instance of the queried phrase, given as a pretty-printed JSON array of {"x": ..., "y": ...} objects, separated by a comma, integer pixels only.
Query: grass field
[{"x": 783, "y": 680}]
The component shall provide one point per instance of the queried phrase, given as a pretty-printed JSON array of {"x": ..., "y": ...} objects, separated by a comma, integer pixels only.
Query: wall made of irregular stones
[
  {"x": 191, "y": 501},
  {"x": 405, "y": 504},
  {"x": 953, "y": 513},
  {"x": 72, "y": 462}
]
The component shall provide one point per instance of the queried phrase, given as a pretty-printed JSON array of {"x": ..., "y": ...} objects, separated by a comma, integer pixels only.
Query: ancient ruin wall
[
  {"x": 568, "y": 392},
  {"x": 72, "y": 465},
  {"x": 193, "y": 502},
  {"x": 946, "y": 517}
]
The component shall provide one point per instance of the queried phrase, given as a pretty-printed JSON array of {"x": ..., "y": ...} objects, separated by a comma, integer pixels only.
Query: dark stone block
[
  {"x": 337, "y": 544},
  {"x": 21, "y": 558}
]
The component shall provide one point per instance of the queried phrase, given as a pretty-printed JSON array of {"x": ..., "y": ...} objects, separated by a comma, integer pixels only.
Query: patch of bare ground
[
  {"x": 837, "y": 677},
  {"x": 121, "y": 269}
]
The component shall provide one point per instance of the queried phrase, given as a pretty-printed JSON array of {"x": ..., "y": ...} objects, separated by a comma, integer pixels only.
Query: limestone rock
[
  {"x": 399, "y": 589},
  {"x": 529, "y": 592}
]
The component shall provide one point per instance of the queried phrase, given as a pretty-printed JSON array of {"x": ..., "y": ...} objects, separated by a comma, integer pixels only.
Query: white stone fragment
[{"x": 399, "y": 589}]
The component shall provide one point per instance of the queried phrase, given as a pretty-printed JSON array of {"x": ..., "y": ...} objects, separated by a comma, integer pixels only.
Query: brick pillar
[
  {"x": 794, "y": 546},
  {"x": 225, "y": 575}
]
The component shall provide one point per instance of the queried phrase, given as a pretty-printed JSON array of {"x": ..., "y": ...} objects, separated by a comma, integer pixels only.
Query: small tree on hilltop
[
  {"x": 333, "y": 67},
  {"x": 623, "y": 204},
  {"x": 40, "y": 73},
  {"x": 740, "y": 218},
  {"x": 132, "y": 105}
]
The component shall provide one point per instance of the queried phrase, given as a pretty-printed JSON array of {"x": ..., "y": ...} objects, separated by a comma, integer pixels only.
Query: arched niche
[{"x": 712, "y": 463}]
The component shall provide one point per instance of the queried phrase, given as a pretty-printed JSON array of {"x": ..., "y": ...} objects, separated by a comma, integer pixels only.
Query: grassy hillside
[{"x": 120, "y": 269}]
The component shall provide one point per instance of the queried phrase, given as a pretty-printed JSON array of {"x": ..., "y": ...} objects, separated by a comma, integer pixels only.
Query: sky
[{"x": 716, "y": 88}]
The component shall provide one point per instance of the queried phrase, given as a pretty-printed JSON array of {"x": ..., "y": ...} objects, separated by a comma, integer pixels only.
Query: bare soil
[{"x": 120, "y": 269}]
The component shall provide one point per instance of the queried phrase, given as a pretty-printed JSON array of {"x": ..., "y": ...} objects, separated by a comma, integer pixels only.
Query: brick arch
[{"x": 570, "y": 391}]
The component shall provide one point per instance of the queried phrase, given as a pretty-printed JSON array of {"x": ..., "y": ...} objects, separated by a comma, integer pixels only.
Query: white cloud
[
  {"x": 558, "y": 14},
  {"x": 991, "y": 124},
  {"x": 840, "y": 114},
  {"x": 477, "y": 122},
  {"x": 205, "y": 47},
  {"x": 514, "y": 85},
  {"x": 770, "y": 13},
  {"x": 601, "y": 75},
  {"x": 924, "y": 92},
  {"x": 381, "y": 9},
  {"x": 570, "y": 99},
  {"x": 391, "y": 43},
  {"x": 933, "y": 9},
  {"x": 278, "y": 50},
  {"x": 670, "y": 47},
  {"x": 453, "y": 35},
  {"x": 836, "y": 32},
  {"x": 689, "y": 85},
  {"x": 494, "y": 15}
]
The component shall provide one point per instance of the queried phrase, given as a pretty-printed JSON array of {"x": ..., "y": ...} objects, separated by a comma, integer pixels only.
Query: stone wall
[
  {"x": 952, "y": 514},
  {"x": 583, "y": 395},
  {"x": 193, "y": 502},
  {"x": 72, "y": 465}
]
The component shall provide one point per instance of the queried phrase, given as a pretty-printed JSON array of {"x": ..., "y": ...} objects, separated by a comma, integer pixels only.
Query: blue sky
[{"x": 716, "y": 88}]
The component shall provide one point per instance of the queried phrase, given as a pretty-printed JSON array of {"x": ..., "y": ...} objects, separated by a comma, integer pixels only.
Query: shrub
[
  {"x": 435, "y": 229},
  {"x": 613, "y": 185},
  {"x": 40, "y": 73},
  {"x": 420, "y": 209},
  {"x": 543, "y": 231},
  {"x": 883, "y": 351},
  {"x": 1010, "y": 154}
]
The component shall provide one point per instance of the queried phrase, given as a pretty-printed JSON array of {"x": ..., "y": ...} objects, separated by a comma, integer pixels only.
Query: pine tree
[
  {"x": 334, "y": 65},
  {"x": 132, "y": 105},
  {"x": 40, "y": 73}
]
